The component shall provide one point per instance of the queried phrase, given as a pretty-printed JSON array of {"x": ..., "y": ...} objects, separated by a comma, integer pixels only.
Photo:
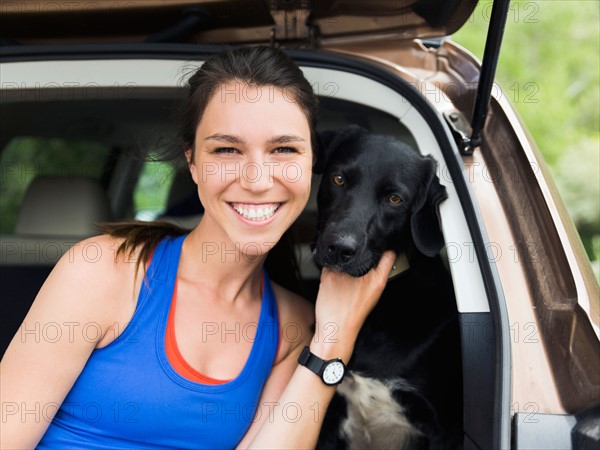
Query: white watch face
[{"x": 333, "y": 372}]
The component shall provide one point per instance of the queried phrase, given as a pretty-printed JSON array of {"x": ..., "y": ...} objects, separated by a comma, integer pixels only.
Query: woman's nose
[{"x": 256, "y": 176}]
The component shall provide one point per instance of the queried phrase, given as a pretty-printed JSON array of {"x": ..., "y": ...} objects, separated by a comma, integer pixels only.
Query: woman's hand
[{"x": 343, "y": 304}]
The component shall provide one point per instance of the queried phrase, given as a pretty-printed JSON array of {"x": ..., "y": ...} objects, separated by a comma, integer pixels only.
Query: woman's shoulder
[
  {"x": 293, "y": 306},
  {"x": 296, "y": 320},
  {"x": 97, "y": 260},
  {"x": 98, "y": 279}
]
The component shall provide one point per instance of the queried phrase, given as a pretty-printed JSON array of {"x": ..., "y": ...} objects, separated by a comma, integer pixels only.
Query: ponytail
[{"x": 140, "y": 238}]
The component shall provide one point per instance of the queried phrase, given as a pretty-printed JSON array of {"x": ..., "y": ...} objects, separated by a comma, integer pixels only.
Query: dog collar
[{"x": 400, "y": 265}]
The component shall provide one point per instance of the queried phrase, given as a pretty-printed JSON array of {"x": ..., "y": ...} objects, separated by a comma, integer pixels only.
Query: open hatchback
[{"x": 85, "y": 83}]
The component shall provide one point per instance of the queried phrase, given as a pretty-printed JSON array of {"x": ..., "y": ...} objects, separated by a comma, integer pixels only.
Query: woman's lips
[{"x": 256, "y": 213}]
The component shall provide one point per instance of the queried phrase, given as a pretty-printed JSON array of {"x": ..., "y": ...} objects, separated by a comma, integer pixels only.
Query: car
[{"x": 88, "y": 87}]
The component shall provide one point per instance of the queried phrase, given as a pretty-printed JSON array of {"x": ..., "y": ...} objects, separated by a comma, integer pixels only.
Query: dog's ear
[
  {"x": 425, "y": 219},
  {"x": 329, "y": 141}
]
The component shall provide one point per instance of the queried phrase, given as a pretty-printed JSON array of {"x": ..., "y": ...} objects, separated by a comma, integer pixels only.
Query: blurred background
[{"x": 549, "y": 68}]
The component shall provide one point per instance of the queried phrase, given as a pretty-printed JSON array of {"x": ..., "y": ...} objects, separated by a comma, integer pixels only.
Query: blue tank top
[{"x": 129, "y": 396}]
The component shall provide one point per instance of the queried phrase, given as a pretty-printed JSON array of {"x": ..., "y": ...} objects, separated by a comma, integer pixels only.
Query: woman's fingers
[
  {"x": 348, "y": 298},
  {"x": 380, "y": 273},
  {"x": 386, "y": 263}
]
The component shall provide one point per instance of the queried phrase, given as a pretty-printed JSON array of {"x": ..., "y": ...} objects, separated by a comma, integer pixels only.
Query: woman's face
[{"x": 252, "y": 164}]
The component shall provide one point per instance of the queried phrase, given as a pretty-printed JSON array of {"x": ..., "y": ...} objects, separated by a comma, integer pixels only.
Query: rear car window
[
  {"x": 25, "y": 158},
  {"x": 151, "y": 193}
]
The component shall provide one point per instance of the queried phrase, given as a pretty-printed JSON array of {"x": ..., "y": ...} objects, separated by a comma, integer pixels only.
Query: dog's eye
[
  {"x": 394, "y": 199},
  {"x": 338, "y": 179}
]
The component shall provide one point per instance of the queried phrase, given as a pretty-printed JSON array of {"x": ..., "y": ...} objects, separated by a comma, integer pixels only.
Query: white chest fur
[{"x": 375, "y": 419}]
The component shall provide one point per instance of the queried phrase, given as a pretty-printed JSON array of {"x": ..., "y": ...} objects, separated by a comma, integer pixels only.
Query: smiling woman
[
  {"x": 250, "y": 155},
  {"x": 243, "y": 168}
]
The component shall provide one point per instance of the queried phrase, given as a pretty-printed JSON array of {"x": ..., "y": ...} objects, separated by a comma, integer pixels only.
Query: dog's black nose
[{"x": 342, "y": 248}]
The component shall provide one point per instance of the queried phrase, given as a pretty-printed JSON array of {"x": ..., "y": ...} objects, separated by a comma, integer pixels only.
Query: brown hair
[{"x": 255, "y": 66}]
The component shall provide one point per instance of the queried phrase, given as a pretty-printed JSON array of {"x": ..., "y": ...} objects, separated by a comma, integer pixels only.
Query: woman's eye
[
  {"x": 225, "y": 150},
  {"x": 285, "y": 150},
  {"x": 394, "y": 199},
  {"x": 338, "y": 179}
]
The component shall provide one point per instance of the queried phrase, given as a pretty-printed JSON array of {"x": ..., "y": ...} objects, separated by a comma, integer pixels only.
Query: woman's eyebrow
[
  {"x": 284, "y": 139},
  {"x": 232, "y": 139},
  {"x": 225, "y": 138}
]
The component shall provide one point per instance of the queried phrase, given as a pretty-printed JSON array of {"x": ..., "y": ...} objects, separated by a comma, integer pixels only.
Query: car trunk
[{"x": 400, "y": 45}]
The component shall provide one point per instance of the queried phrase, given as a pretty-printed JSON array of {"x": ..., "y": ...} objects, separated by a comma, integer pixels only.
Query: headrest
[
  {"x": 62, "y": 206},
  {"x": 183, "y": 196},
  {"x": 182, "y": 186}
]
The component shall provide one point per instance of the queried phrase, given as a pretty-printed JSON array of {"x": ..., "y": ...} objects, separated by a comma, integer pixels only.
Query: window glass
[
  {"x": 25, "y": 158},
  {"x": 152, "y": 190}
]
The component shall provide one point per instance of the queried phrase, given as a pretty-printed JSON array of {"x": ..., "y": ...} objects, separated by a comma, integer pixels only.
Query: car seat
[{"x": 56, "y": 213}]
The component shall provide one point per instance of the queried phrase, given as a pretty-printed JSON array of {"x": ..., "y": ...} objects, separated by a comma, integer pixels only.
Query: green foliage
[
  {"x": 549, "y": 68},
  {"x": 151, "y": 192}
]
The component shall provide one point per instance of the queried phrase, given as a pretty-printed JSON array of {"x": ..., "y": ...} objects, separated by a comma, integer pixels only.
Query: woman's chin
[{"x": 252, "y": 250}]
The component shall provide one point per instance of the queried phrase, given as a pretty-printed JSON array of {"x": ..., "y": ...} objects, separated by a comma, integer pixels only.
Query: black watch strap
[
  {"x": 311, "y": 361},
  {"x": 331, "y": 372}
]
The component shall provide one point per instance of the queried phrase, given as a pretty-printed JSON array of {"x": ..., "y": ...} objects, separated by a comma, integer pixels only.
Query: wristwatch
[{"x": 331, "y": 372}]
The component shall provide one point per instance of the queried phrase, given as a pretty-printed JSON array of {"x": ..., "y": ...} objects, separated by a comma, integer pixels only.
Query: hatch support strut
[{"x": 488, "y": 70}]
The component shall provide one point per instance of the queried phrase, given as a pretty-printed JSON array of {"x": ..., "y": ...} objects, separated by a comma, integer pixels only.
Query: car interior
[
  {"x": 71, "y": 161},
  {"x": 62, "y": 202}
]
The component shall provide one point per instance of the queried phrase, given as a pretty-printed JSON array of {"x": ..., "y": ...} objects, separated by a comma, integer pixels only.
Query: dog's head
[{"x": 377, "y": 193}]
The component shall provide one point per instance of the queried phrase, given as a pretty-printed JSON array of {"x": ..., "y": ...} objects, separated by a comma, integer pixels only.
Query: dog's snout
[{"x": 342, "y": 248}]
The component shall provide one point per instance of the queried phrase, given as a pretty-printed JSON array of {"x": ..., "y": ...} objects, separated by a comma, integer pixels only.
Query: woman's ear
[{"x": 192, "y": 166}]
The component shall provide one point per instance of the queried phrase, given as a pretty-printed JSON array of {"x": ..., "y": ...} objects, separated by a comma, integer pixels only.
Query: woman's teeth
[{"x": 256, "y": 213}]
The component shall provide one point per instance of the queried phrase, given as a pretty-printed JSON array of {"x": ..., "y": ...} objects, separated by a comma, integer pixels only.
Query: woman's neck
[{"x": 218, "y": 264}]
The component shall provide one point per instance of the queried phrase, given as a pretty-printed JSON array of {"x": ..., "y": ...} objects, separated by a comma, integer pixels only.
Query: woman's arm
[
  {"x": 297, "y": 317},
  {"x": 343, "y": 304},
  {"x": 51, "y": 348}
]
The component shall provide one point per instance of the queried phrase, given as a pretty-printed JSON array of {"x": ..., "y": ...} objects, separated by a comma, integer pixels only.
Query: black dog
[{"x": 404, "y": 385}]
